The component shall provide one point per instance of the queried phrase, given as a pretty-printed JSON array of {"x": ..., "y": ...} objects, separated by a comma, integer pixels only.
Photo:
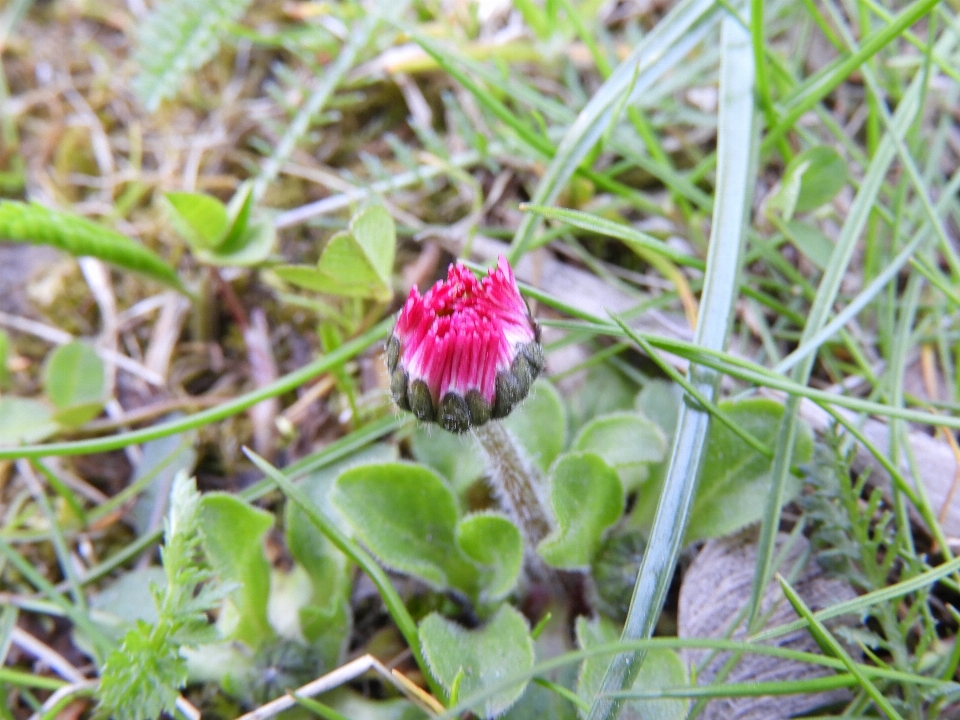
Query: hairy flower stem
[{"x": 516, "y": 483}]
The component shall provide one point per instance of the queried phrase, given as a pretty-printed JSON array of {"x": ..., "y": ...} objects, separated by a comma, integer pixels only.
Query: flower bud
[{"x": 466, "y": 351}]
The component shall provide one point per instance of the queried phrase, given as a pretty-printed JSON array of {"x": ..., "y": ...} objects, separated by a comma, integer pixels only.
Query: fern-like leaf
[
  {"x": 144, "y": 676},
  {"x": 177, "y": 38},
  {"x": 33, "y": 223}
]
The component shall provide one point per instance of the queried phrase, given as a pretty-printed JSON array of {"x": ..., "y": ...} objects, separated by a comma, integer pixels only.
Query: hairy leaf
[
  {"x": 587, "y": 498},
  {"x": 484, "y": 657},
  {"x": 540, "y": 424},
  {"x": 627, "y": 441},
  {"x": 495, "y": 543},
  {"x": 456, "y": 457},
  {"x": 33, "y": 223},
  {"x": 662, "y": 669},
  {"x": 407, "y": 516},
  {"x": 659, "y": 400},
  {"x": 233, "y": 538},
  {"x": 736, "y": 478}
]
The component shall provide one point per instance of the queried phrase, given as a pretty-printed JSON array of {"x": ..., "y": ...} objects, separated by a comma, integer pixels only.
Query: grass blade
[
  {"x": 679, "y": 32},
  {"x": 861, "y": 603},
  {"x": 546, "y": 666},
  {"x": 735, "y": 143},
  {"x": 826, "y": 640},
  {"x": 819, "y": 314},
  {"x": 631, "y": 236}
]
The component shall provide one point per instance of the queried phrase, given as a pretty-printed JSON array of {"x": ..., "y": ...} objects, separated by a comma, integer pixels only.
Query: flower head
[{"x": 466, "y": 351}]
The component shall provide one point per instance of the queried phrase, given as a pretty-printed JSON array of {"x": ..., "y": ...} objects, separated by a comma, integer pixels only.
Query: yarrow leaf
[
  {"x": 144, "y": 676},
  {"x": 179, "y": 36}
]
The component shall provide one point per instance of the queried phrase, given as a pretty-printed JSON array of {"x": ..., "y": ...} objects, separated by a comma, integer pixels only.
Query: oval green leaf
[
  {"x": 326, "y": 620},
  {"x": 482, "y": 658},
  {"x": 23, "y": 420},
  {"x": 736, "y": 478},
  {"x": 200, "y": 219},
  {"x": 346, "y": 269},
  {"x": 238, "y": 212},
  {"x": 540, "y": 424},
  {"x": 628, "y": 442},
  {"x": 662, "y": 669},
  {"x": 305, "y": 276},
  {"x": 587, "y": 498},
  {"x": 811, "y": 242},
  {"x": 822, "y": 172},
  {"x": 604, "y": 390},
  {"x": 407, "y": 516},
  {"x": 74, "y": 380},
  {"x": 376, "y": 234},
  {"x": 233, "y": 539},
  {"x": 494, "y": 543},
  {"x": 659, "y": 400},
  {"x": 251, "y": 247},
  {"x": 455, "y": 457}
]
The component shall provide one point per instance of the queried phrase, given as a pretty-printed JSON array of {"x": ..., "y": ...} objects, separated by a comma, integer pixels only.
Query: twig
[
  {"x": 98, "y": 280},
  {"x": 151, "y": 412},
  {"x": 263, "y": 371},
  {"x": 344, "y": 674},
  {"x": 165, "y": 333},
  {"x": 295, "y": 413},
  {"x": 64, "y": 692},
  {"x": 60, "y": 337},
  {"x": 43, "y": 652},
  {"x": 126, "y": 319},
  {"x": 187, "y": 708}
]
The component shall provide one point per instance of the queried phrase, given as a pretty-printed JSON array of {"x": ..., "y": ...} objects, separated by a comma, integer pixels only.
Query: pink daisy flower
[{"x": 466, "y": 351}]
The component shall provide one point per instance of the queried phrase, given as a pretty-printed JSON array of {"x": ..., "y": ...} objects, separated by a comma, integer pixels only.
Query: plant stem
[
  {"x": 516, "y": 482},
  {"x": 288, "y": 382}
]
